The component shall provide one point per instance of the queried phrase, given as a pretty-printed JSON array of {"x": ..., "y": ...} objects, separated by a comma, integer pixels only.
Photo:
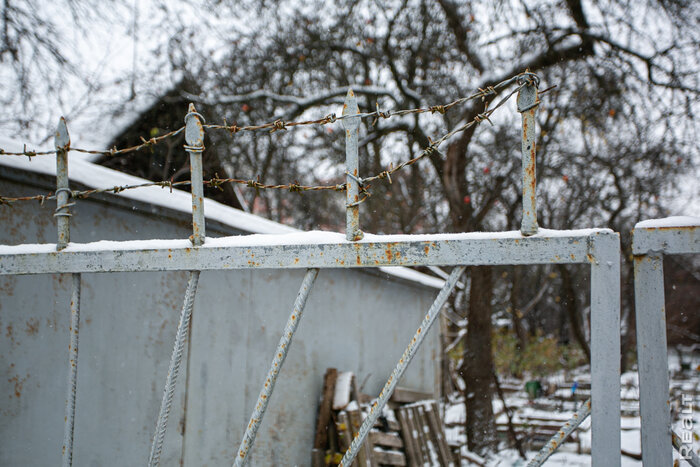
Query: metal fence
[
  {"x": 599, "y": 248},
  {"x": 651, "y": 240}
]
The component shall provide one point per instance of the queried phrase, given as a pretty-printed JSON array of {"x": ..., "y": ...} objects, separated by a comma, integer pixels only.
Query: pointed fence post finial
[
  {"x": 353, "y": 180},
  {"x": 61, "y": 138}
]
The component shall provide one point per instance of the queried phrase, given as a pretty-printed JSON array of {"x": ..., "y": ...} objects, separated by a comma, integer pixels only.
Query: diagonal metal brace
[
  {"x": 388, "y": 390},
  {"x": 277, "y": 362}
]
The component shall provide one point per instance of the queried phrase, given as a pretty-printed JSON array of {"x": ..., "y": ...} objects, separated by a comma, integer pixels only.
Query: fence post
[
  {"x": 604, "y": 258},
  {"x": 63, "y": 193},
  {"x": 527, "y": 105},
  {"x": 62, "y": 214},
  {"x": 652, "y": 356},
  {"x": 194, "y": 139},
  {"x": 352, "y": 180}
]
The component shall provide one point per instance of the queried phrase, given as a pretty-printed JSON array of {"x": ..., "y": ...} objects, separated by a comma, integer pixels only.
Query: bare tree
[{"x": 614, "y": 132}]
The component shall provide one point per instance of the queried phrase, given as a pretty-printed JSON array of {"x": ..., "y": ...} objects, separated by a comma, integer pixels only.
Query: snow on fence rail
[{"x": 599, "y": 248}]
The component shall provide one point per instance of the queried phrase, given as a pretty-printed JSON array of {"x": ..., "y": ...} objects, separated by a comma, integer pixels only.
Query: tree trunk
[
  {"x": 477, "y": 366},
  {"x": 572, "y": 309},
  {"x": 518, "y": 326}
]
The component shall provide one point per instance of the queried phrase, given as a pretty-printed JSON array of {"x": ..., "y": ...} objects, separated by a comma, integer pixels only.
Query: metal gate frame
[
  {"x": 651, "y": 240},
  {"x": 599, "y": 248}
]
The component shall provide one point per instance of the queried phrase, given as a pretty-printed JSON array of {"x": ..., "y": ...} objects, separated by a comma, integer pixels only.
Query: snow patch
[{"x": 675, "y": 221}]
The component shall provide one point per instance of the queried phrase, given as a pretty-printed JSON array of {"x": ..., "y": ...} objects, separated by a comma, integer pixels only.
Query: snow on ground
[{"x": 682, "y": 383}]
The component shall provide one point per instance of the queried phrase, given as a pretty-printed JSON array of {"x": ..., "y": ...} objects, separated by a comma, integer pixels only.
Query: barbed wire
[
  {"x": 278, "y": 124},
  {"x": 217, "y": 182}
]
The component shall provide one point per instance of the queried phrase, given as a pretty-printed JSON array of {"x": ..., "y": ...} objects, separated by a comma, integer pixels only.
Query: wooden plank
[
  {"x": 345, "y": 434},
  {"x": 419, "y": 434},
  {"x": 364, "y": 454},
  {"x": 324, "y": 410},
  {"x": 436, "y": 427},
  {"x": 412, "y": 453},
  {"x": 428, "y": 434},
  {"x": 317, "y": 458},
  {"x": 390, "y": 440},
  {"x": 389, "y": 457},
  {"x": 407, "y": 396}
]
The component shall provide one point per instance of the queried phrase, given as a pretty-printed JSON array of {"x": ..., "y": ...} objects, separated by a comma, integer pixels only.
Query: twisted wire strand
[{"x": 173, "y": 370}]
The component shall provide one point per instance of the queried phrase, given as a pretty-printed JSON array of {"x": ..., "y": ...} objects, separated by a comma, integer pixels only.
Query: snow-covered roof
[{"x": 92, "y": 175}]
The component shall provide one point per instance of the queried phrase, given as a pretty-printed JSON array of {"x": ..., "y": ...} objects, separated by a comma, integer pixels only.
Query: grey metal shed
[{"x": 356, "y": 320}]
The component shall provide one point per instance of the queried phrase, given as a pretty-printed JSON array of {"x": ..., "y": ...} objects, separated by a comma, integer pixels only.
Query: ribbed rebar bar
[
  {"x": 173, "y": 370},
  {"x": 555, "y": 441},
  {"x": 72, "y": 371}
]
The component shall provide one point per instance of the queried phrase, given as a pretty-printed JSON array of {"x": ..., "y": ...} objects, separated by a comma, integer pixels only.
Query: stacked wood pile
[{"x": 408, "y": 433}]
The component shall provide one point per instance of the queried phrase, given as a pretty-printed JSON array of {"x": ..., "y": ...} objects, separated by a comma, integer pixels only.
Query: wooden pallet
[{"x": 405, "y": 435}]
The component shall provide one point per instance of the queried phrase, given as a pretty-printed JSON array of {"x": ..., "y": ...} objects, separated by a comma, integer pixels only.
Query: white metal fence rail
[{"x": 598, "y": 248}]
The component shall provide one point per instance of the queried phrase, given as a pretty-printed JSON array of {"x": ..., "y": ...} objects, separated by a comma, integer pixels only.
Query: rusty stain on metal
[
  {"x": 527, "y": 105},
  {"x": 277, "y": 362},
  {"x": 563, "y": 433},
  {"x": 63, "y": 193}
]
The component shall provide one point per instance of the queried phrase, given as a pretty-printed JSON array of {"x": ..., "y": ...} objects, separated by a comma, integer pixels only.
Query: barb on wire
[{"x": 523, "y": 79}]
